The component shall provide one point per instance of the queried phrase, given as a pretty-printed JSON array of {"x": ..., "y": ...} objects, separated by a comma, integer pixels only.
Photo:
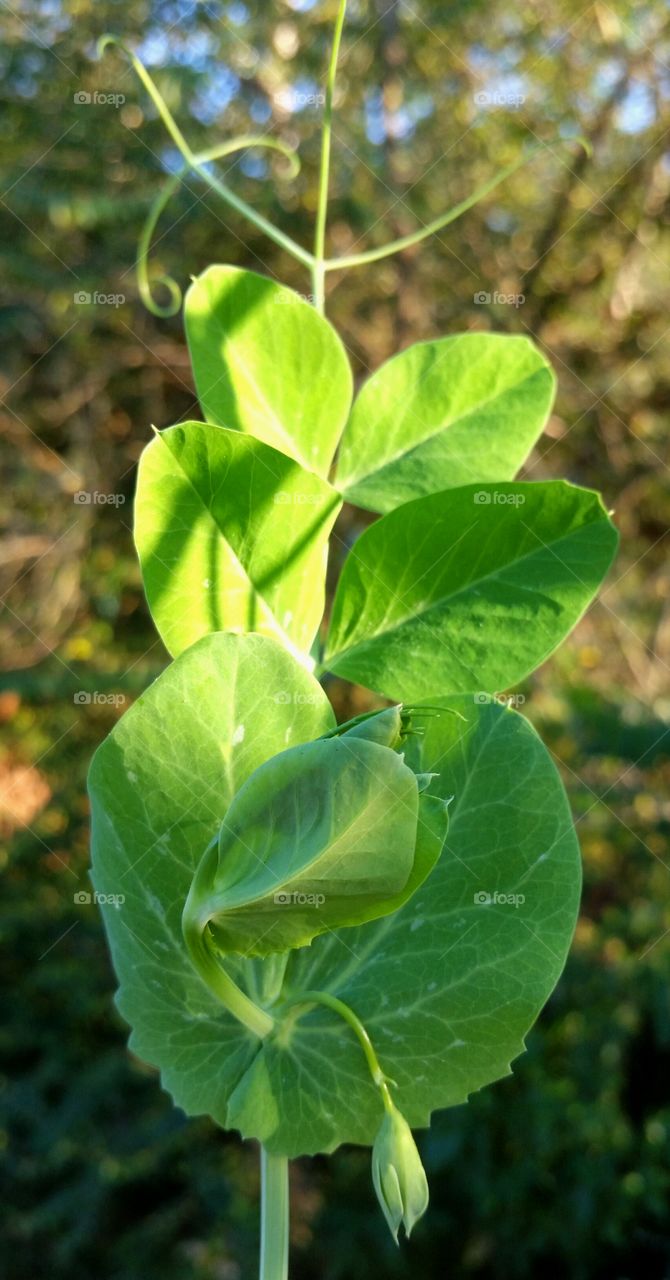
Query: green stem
[
  {"x": 274, "y": 1217},
  {"x": 222, "y": 985},
  {"x": 431, "y": 228},
  {"x": 318, "y": 275},
  {"x": 338, "y": 1006},
  {"x": 317, "y": 263},
  {"x": 241, "y": 206}
]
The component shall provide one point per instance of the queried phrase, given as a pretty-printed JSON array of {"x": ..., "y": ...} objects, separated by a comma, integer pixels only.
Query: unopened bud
[{"x": 398, "y": 1174}]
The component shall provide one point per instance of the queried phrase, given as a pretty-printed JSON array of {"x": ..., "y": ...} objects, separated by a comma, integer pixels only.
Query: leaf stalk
[
  {"x": 379, "y": 1078},
  {"x": 222, "y": 985}
]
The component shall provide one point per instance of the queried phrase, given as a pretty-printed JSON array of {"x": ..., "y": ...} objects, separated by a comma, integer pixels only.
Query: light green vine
[
  {"x": 393, "y": 1156},
  {"x": 316, "y": 263}
]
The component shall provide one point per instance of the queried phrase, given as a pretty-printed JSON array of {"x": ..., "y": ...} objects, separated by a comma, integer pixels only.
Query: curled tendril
[
  {"x": 144, "y": 244},
  {"x": 315, "y": 262},
  {"x": 192, "y": 162},
  {"x": 145, "y": 286}
]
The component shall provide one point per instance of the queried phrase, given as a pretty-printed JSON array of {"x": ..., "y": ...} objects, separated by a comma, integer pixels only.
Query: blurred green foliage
[{"x": 563, "y": 1168}]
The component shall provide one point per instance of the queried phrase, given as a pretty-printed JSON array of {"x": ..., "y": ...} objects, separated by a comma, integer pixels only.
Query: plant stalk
[
  {"x": 318, "y": 271},
  {"x": 274, "y": 1217},
  {"x": 162, "y": 200},
  {"x": 273, "y": 233}
]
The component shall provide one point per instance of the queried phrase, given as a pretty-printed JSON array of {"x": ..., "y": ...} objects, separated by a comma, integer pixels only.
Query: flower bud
[
  {"x": 388, "y": 728},
  {"x": 398, "y": 1174}
]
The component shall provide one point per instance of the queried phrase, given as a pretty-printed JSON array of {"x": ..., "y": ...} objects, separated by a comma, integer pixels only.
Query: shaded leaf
[{"x": 448, "y": 986}]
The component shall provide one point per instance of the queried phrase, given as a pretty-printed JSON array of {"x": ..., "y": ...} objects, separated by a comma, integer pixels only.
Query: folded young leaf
[
  {"x": 469, "y": 589},
  {"x": 232, "y": 536},
  {"x": 320, "y": 837},
  {"x": 265, "y": 362},
  {"x": 389, "y": 727},
  {"x": 441, "y": 414},
  {"x": 159, "y": 785}
]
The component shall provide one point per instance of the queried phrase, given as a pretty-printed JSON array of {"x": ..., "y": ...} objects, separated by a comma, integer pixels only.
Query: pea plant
[{"x": 330, "y": 931}]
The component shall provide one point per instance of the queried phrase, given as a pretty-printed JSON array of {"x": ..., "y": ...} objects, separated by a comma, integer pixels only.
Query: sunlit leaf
[
  {"x": 442, "y": 414},
  {"x": 469, "y": 589},
  {"x": 267, "y": 363},
  {"x": 232, "y": 536}
]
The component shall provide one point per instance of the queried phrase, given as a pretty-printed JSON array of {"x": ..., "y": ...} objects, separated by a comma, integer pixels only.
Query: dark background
[{"x": 564, "y": 1167}]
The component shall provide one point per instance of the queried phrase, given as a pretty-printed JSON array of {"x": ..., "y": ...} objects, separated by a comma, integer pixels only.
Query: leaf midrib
[
  {"x": 286, "y": 640},
  {"x": 273, "y": 416},
  {"x": 471, "y": 585},
  {"x": 363, "y": 477}
]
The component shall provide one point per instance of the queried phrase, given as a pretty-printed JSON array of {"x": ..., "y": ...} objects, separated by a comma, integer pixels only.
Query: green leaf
[
  {"x": 448, "y": 986},
  {"x": 469, "y": 589},
  {"x": 321, "y": 836},
  {"x": 232, "y": 536},
  {"x": 160, "y": 785},
  {"x": 265, "y": 362},
  {"x": 442, "y": 414}
]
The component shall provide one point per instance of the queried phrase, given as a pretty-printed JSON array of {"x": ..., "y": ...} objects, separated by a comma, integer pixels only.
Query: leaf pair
[
  {"x": 441, "y": 414},
  {"x": 233, "y": 515}
]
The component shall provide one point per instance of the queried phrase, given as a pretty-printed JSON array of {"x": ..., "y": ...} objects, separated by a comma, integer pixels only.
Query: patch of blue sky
[
  {"x": 260, "y": 110},
  {"x": 195, "y": 49},
  {"x": 211, "y": 99},
  {"x": 237, "y": 13},
  {"x": 637, "y": 111},
  {"x": 493, "y": 62},
  {"x": 253, "y": 165},
  {"x": 501, "y": 220}
]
